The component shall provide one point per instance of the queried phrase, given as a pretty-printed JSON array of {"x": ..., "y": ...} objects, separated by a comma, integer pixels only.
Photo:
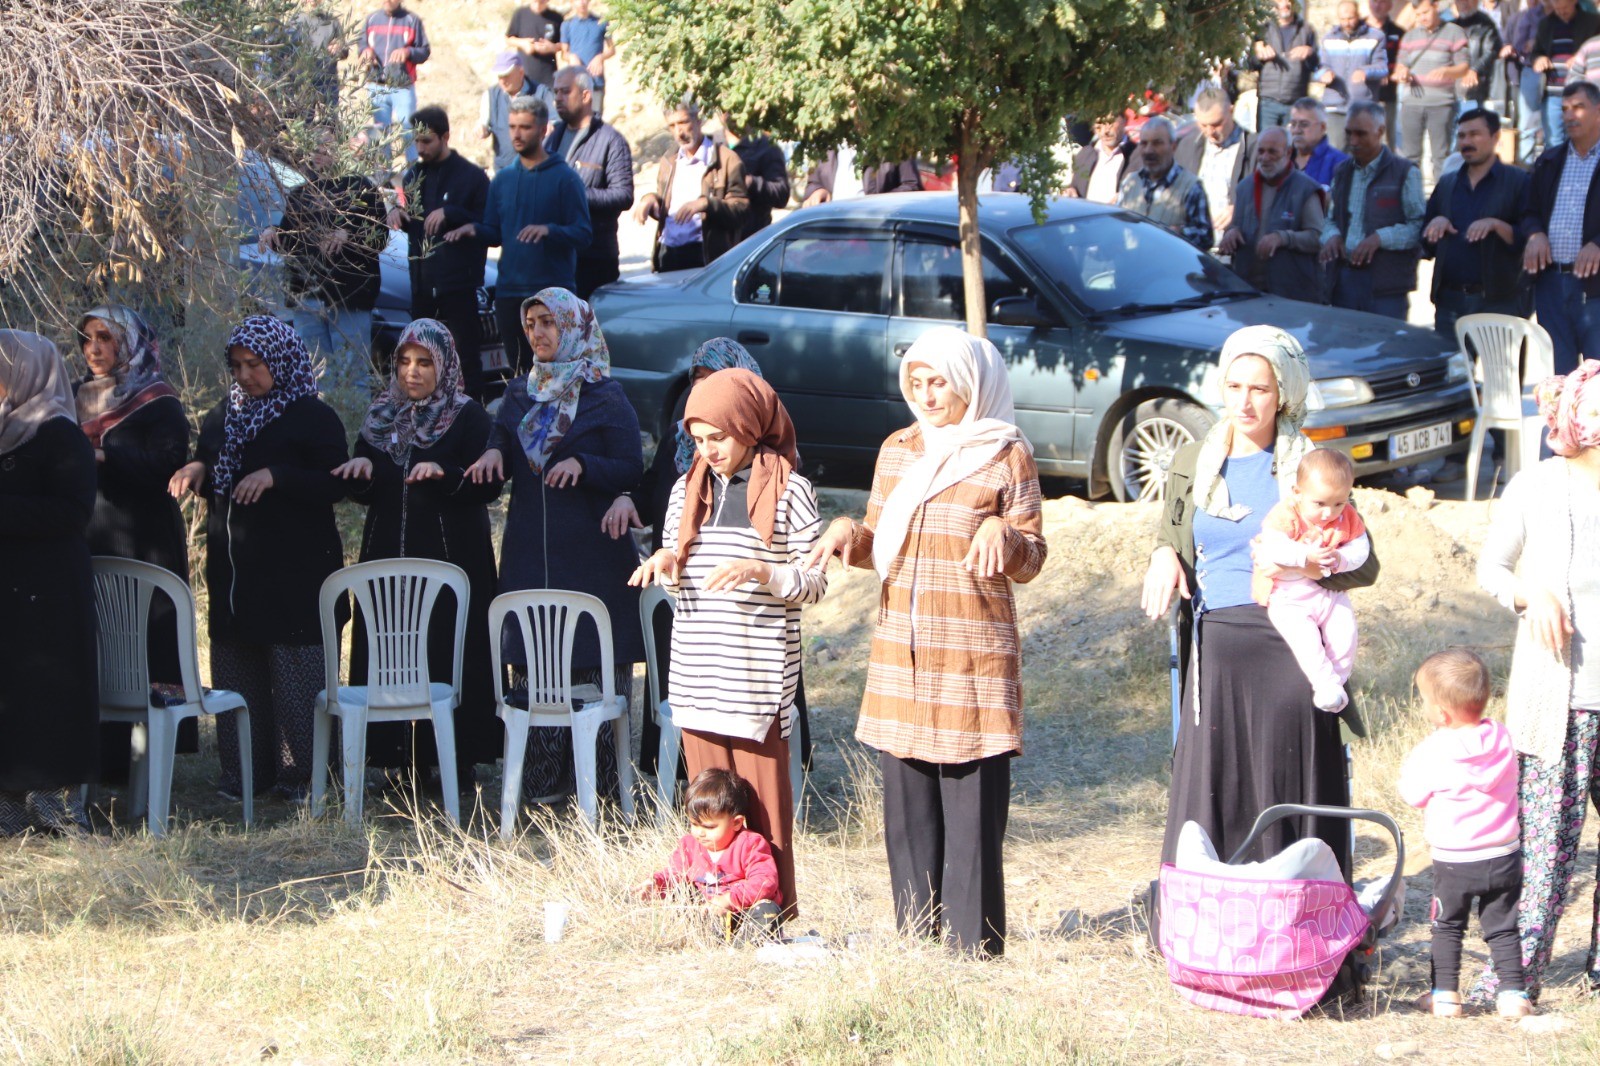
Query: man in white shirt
[
  {"x": 700, "y": 199},
  {"x": 1098, "y": 169}
]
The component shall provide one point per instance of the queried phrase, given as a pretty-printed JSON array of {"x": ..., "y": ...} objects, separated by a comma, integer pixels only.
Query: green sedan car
[{"x": 1110, "y": 326}]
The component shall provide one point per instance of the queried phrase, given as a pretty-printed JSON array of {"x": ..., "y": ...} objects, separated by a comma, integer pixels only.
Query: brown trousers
[{"x": 765, "y": 764}]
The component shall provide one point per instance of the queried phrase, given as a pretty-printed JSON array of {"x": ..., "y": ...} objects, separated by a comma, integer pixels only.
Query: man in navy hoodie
[{"x": 538, "y": 213}]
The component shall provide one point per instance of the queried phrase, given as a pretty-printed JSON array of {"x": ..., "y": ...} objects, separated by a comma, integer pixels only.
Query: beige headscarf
[
  {"x": 37, "y": 387},
  {"x": 951, "y": 454},
  {"x": 1293, "y": 373}
]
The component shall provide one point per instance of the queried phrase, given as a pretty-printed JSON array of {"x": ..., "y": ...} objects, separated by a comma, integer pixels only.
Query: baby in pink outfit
[
  {"x": 1464, "y": 777},
  {"x": 1317, "y": 527}
]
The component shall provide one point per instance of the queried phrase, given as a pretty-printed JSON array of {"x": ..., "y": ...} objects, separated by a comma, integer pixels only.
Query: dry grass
[{"x": 415, "y": 942}]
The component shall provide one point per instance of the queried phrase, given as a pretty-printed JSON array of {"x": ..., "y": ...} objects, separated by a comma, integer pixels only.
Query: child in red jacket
[{"x": 730, "y": 865}]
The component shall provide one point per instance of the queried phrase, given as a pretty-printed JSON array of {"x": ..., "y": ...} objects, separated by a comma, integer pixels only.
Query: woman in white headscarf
[
  {"x": 1249, "y": 735},
  {"x": 952, "y": 521},
  {"x": 49, "y": 697}
]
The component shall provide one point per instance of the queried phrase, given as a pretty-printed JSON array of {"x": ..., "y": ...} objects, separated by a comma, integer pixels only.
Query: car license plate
[
  {"x": 1417, "y": 441},
  {"x": 494, "y": 358}
]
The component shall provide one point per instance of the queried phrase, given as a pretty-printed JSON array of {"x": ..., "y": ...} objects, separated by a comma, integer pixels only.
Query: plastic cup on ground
[{"x": 556, "y": 913}]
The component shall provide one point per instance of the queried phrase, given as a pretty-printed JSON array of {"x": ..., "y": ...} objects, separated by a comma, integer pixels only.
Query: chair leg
[
  {"x": 138, "y": 771},
  {"x": 444, "y": 741},
  {"x": 1474, "y": 458},
  {"x": 354, "y": 733},
  {"x": 247, "y": 768},
  {"x": 797, "y": 764},
  {"x": 621, "y": 730},
  {"x": 667, "y": 766},
  {"x": 321, "y": 727},
  {"x": 162, "y": 753},
  {"x": 585, "y": 759},
  {"x": 511, "y": 779}
]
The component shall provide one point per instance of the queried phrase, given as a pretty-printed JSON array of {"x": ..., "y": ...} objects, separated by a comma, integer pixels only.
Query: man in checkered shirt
[{"x": 1562, "y": 229}]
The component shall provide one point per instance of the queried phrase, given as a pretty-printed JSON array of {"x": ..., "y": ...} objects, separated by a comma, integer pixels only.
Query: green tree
[{"x": 978, "y": 81}]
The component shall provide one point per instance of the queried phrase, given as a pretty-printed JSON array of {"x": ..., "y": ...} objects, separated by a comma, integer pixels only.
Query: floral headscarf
[
  {"x": 37, "y": 388},
  {"x": 1570, "y": 405},
  {"x": 134, "y": 382},
  {"x": 581, "y": 355},
  {"x": 281, "y": 348},
  {"x": 719, "y": 353},
  {"x": 1292, "y": 372},
  {"x": 395, "y": 423}
]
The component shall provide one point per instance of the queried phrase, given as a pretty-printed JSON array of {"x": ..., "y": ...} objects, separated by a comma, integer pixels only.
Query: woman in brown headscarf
[
  {"x": 49, "y": 696},
  {"x": 739, "y": 526}
]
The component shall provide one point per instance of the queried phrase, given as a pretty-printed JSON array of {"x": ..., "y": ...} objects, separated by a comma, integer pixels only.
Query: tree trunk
[{"x": 967, "y": 170}]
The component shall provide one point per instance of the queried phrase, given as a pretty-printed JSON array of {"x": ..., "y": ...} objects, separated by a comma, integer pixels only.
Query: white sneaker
[{"x": 1333, "y": 700}]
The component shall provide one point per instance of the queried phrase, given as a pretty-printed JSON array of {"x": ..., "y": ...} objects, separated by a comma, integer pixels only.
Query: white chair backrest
[
  {"x": 650, "y": 600},
  {"x": 1498, "y": 341},
  {"x": 548, "y": 622},
  {"x": 123, "y": 590},
  {"x": 396, "y": 599}
]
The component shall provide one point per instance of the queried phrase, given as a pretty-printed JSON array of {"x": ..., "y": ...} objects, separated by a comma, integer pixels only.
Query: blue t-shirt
[
  {"x": 1222, "y": 548},
  {"x": 586, "y": 37}
]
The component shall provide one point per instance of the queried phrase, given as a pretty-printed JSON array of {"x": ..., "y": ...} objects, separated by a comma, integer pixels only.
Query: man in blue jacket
[
  {"x": 538, "y": 213},
  {"x": 604, "y": 162}
]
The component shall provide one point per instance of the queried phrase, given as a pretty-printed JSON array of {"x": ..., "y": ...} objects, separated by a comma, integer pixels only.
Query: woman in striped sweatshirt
[{"x": 739, "y": 526}]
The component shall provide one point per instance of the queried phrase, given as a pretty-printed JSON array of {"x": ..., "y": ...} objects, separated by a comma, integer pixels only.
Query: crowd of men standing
[
  {"x": 1327, "y": 200},
  {"x": 1367, "y": 146}
]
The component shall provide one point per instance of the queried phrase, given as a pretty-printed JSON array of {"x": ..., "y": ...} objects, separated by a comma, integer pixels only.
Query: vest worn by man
[
  {"x": 1392, "y": 272},
  {"x": 1288, "y": 273},
  {"x": 1165, "y": 206}
]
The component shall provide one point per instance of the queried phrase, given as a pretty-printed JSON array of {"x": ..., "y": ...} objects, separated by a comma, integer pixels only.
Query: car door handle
[
  {"x": 751, "y": 336},
  {"x": 901, "y": 349}
]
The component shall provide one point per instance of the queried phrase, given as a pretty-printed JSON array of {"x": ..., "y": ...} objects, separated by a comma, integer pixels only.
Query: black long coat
[
  {"x": 553, "y": 538},
  {"x": 445, "y": 519},
  {"x": 265, "y": 563},
  {"x": 49, "y": 690},
  {"x": 136, "y": 518}
]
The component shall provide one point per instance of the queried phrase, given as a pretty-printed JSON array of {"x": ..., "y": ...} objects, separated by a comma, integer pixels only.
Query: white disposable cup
[{"x": 555, "y": 919}]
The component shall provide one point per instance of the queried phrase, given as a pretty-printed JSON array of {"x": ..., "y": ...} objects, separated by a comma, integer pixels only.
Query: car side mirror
[{"x": 1019, "y": 311}]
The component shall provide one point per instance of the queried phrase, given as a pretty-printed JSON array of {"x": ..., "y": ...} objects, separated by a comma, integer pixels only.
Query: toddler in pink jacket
[
  {"x": 729, "y": 865},
  {"x": 1464, "y": 777}
]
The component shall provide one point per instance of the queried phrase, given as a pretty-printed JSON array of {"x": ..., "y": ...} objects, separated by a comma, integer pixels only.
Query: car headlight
[
  {"x": 1458, "y": 369},
  {"x": 1337, "y": 392}
]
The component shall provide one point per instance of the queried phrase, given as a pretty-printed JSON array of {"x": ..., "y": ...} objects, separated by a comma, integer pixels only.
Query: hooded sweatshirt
[
  {"x": 550, "y": 194},
  {"x": 1465, "y": 781}
]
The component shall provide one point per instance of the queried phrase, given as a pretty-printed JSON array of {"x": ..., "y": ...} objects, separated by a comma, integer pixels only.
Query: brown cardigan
[
  {"x": 727, "y": 201},
  {"x": 944, "y": 686}
]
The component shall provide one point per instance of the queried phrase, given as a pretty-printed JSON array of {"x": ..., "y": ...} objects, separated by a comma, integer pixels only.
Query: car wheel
[{"x": 1145, "y": 442}]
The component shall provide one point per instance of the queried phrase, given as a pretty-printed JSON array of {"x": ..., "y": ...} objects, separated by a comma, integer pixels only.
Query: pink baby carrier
[{"x": 1272, "y": 948}]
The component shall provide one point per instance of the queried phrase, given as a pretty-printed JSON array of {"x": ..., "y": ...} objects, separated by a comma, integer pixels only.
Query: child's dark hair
[
  {"x": 1458, "y": 681},
  {"x": 716, "y": 793},
  {"x": 1334, "y": 467}
]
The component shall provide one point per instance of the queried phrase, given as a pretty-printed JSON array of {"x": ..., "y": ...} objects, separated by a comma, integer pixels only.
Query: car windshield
[{"x": 1120, "y": 264}]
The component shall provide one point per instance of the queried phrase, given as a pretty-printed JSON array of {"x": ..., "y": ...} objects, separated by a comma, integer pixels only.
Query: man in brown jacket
[{"x": 700, "y": 199}]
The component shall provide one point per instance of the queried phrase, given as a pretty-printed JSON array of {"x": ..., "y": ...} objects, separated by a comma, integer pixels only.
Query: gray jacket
[{"x": 1295, "y": 210}]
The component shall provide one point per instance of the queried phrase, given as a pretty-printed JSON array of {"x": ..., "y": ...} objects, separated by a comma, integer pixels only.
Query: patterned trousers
[
  {"x": 58, "y": 810},
  {"x": 549, "y": 771},
  {"x": 1554, "y": 799},
  {"x": 279, "y": 683}
]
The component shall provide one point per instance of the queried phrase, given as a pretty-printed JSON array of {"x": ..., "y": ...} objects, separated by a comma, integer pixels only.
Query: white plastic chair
[
  {"x": 123, "y": 589},
  {"x": 548, "y": 621},
  {"x": 1504, "y": 403},
  {"x": 396, "y": 598},
  {"x": 650, "y": 600}
]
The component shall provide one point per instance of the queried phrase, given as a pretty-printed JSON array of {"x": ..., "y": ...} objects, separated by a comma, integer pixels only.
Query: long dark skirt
[{"x": 1259, "y": 742}]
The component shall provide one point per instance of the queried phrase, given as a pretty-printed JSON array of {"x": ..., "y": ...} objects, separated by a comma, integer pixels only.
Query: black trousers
[
  {"x": 458, "y": 310},
  {"x": 944, "y": 826},
  {"x": 683, "y": 257},
  {"x": 593, "y": 273},
  {"x": 508, "y": 316},
  {"x": 1497, "y": 885}
]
